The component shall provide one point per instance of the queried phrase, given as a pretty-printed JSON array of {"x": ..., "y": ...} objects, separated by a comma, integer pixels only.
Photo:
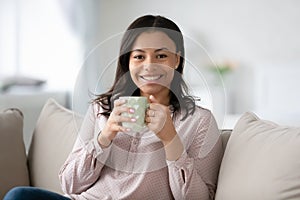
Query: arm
[
  {"x": 193, "y": 164},
  {"x": 84, "y": 164},
  {"x": 194, "y": 174}
]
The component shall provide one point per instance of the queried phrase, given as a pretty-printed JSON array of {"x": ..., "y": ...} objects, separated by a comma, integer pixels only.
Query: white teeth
[{"x": 151, "y": 78}]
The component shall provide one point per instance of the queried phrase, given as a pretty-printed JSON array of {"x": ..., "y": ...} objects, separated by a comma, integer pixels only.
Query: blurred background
[{"x": 241, "y": 55}]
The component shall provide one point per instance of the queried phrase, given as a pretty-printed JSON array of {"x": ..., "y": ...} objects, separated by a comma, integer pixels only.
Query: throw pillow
[
  {"x": 261, "y": 161},
  {"x": 13, "y": 161},
  {"x": 52, "y": 141}
]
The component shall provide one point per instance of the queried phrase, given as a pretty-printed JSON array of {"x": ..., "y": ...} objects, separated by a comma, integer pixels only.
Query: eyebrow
[{"x": 156, "y": 50}]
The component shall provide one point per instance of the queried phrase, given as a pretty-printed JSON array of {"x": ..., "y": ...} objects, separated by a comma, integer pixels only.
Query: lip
[{"x": 151, "y": 77}]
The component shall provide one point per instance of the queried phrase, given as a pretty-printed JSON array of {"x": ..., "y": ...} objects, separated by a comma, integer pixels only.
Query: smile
[{"x": 151, "y": 78}]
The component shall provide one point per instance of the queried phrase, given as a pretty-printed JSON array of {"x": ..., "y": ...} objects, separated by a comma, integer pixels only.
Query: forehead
[{"x": 155, "y": 40}]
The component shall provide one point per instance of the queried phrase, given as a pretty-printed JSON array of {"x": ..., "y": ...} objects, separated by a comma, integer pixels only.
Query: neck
[{"x": 163, "y": 97}]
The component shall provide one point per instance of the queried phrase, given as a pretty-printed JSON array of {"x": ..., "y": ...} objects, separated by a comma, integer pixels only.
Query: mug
[{"x": 140, "y": 105}]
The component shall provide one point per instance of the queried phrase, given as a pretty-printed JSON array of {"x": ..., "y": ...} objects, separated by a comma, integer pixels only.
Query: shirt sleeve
[
  {"x": 194, "y": 175},
  {"x": 84, "y": 164}
]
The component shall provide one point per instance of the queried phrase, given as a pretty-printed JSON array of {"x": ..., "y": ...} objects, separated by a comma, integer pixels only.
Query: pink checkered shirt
[{"x": 134, "y": 165}]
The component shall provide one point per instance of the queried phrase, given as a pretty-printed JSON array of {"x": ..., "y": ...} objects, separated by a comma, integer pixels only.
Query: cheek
[
  {"x": 170, "y": 75},
  {"x": 131, "y": 65},
  {"x": 134, "y": 73}
]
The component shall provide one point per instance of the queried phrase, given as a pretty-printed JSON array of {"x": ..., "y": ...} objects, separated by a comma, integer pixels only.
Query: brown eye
[
  {"x": 161, "y": 56},
  {"x": 138, "y": 57}
]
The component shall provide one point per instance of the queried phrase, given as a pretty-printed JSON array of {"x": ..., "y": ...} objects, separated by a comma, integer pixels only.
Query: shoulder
[
  {"x": 199, "y": 116},
  {"x": 199, "y": 112},
  {"x": 96, "y": 109},
  {"x": 202, "y": 112},
  {"x": 196, "y": 125}
]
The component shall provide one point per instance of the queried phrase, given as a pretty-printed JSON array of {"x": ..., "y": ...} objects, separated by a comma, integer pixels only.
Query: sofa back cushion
[
  {"x": 13, "y": 161},
  {"x": 261, "y": 161},
  {"x": 53, "y": 138},
  {"x": 225, "y": 135}
]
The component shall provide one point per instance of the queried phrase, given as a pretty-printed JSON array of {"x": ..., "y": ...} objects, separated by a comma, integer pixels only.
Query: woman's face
[{"x": 152, "y": 62}]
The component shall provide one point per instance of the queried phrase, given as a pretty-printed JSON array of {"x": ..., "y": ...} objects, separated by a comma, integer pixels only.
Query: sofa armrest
[{"x": 13, "y": 167}]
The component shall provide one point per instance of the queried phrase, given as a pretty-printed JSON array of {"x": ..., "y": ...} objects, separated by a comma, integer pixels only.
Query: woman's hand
[
  {"x": 159, "y": 120},
  {"x": 114, "y": 122}
]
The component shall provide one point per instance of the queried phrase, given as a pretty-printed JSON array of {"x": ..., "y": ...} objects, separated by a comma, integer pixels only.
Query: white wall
[
  {"x": 248, "y": 31},
  {"x": 251, "y": 33}
]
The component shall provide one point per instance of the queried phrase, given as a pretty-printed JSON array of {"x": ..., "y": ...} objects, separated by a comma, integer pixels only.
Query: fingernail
[
  {"x": 133, "y": 119},
  {"x": 128, "y": 129},
  {"x": 131, "y": 110}
]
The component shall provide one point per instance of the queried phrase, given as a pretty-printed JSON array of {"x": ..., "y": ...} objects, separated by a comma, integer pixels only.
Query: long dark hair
[{"x": 123, "y": 84}]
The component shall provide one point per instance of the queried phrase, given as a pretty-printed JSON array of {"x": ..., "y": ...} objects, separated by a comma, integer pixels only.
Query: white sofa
[{"x": 261, "y": 159}]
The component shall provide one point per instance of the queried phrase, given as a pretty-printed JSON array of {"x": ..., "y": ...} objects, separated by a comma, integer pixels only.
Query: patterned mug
[{"x": 140, "y": 105}]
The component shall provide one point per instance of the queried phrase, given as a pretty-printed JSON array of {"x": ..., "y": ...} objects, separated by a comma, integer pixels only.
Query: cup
[{"x": 140, "y": 105}]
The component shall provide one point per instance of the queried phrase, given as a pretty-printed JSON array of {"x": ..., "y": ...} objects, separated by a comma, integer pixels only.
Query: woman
[{"x": 176, "y": 157}]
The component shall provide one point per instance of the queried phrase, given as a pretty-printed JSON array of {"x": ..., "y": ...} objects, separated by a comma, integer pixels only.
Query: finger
[
  {"x": 119, "y": 102},
  {"x": 150, "y": 113},
  {"x": 155, "y": 113},
  {"x": 152, "y": 120},
  {"x": 119, "y": 128},
  {"x": 121, "y": 109},
  {"x": 148, "y": 120},
  {"x": 120, "y": 119},
  {"x": 153, "y": 99},
  {"x": 156, "y": 107}
]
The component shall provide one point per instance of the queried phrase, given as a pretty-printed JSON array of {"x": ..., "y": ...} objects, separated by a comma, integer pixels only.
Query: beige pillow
[
  {"x": 53, "y": 138},
  {"x": 13, "y": 162},
  {"x": 261, "y": 162}
]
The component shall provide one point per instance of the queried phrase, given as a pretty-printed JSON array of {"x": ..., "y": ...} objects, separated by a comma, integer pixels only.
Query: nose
[
  {"x": 149, "y": 59},
  {"x": 149, "y": 63}
]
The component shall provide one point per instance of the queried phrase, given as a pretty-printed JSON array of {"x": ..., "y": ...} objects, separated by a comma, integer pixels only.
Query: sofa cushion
[
  {"x": 225, "y": 135},
  {"x": 13, "y": 161},
  {"x": 53, "y": 138},
  {"x": 261, "y": 161}
]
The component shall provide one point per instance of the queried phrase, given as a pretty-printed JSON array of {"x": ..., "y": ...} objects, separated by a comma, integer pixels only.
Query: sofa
[{"x": 261, "y": 159}]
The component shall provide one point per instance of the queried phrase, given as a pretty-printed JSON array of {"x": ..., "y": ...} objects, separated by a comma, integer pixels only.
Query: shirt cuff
[
  {"x": 97, "y": 151},
  {"x": 179, "y": 162}
]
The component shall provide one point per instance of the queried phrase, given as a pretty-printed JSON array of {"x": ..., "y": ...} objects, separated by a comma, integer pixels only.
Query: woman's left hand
[{"x": 159, "y": 120}]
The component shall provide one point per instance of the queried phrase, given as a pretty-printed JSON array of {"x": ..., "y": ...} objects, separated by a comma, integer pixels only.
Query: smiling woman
[
  {"x": 152, "y": 63},
  {"x": 160, "y": 35},
  {"x": 176, "y": 156}
]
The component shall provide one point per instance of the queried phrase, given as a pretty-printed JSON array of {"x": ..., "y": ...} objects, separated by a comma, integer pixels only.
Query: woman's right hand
[{"x": 114, "y": 122}]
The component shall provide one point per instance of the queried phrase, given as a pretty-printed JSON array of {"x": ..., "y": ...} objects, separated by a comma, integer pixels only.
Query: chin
[{"x": 152, "y": 88}]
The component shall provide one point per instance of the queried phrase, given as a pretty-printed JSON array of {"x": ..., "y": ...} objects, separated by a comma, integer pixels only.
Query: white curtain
[
  {"x": 83, "y": 16},
  {"x": 50, "y": 40}
]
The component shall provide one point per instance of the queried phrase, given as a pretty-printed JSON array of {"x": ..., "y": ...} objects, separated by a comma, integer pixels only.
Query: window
[{"x": 37, "y": 40}]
